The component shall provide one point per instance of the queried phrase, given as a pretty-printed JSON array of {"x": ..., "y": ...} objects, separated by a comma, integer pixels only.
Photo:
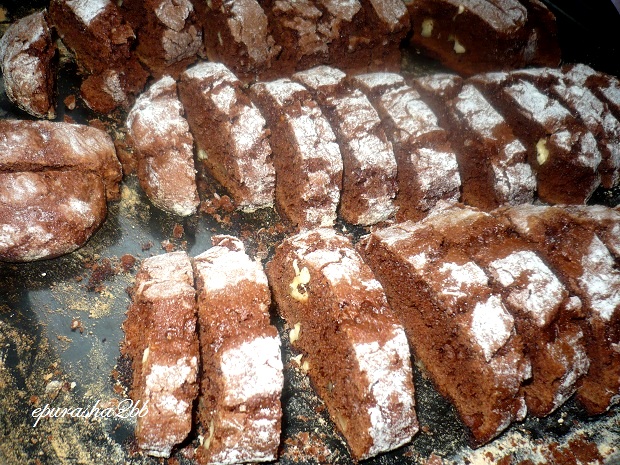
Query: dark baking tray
[{"x": 60, "y": 322}]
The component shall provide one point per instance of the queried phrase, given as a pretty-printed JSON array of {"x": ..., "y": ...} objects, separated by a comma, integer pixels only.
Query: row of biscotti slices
[
  {"x": 491, "y": 304},
  {"x": 366, "y": 146},
  {"x": 118, "y": 47}
]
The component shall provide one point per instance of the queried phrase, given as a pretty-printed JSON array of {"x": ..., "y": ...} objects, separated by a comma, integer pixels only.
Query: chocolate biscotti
[
  {"x": 161, "y": 137},
  {"x": 242, "y": 380},
  {"x": 353, "y": 348},
  {"x": 161, "y": 341},
  {"x": 26, "y": 59}
]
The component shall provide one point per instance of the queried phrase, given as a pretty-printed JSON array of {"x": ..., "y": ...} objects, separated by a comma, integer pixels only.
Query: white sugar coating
[
  {"x": 514, "y": 151},
  {"x": 223, "y": 98},
  {"x": 578, "y": 73},
  {"x": 169, "y": 267},
  {"x": 477, "y": 113},
  {"x": 22, "y": 188},
  {"x": 456, "y": 216},
  {"x": 589, "y": 108},
  {"x": 410, "y": 115},
  {"x": 522, "y": 215},
  {"x": 87, "y": 10},
  {"x": 162, "y": 380},
  {"x": 320, "y": 77},
  {"x": 283, "y": 90},
  {"x": 390, "y": 383},
  {"x": 514, "y": 184},
  {"x": 491, "y": 326},
  {"x": 438, "y": 83},
  {"x": 218, "y": 72},
  {"x": 345, "y": 9},
  {"x": 223, "y": 269},
  {"x": 315, "y": 138},
  {"x": 173, "y": 14},
  {"x": 390, "y": 11},
  {"x": 576, "y": 365},
  {"x": 457, "y": 279},
  {"x": 503, "y": 16},
  {"x": 376, "y": 81},
  {"x": 112, "y": 86},
  {"x": 252, "y": 369},
  {"x": 158, "y": 112},
  {"x": 600, "y": 280},
  {"x": 254, "y": 35},
  {"x": 82, "y": 209},
  {"x": 607, "y": 219},
  {"x": 438, "y": 176},
  {"x": 589, "y": 155},
  {"x": 542, "y": 294},
  {"x": 537, "y": 106}
]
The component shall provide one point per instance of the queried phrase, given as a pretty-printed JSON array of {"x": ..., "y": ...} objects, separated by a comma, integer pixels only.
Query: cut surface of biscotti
[
  {"x": 306, "y": 156},
  {"x": 161, "y": 341},
  {"x": 369, "y": 165},
  {"x": 230, "y": 133},
  {"x": 457, "y": 326},
  {"x": 352, "y": 346},
  {"x": 242, "y": 380}
]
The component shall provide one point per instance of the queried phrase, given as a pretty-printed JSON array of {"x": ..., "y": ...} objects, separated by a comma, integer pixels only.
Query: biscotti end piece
[
  {"x": 242, "y": 379},
  {"x": 231, "y": 135},
  {"x": 352, "y": 347},
  {"x": 164, "y": 144},
  {"x": 307, "y": 159},
  {"x": 26, "y": 53},
  {"x": 161, "y": 341},
  {"x": 369, "y": 165}
]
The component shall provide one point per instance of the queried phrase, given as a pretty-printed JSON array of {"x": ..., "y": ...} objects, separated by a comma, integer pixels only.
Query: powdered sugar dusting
[
  {"x": 410, "y": 115},
  {"x": 547, "y": 112},
  {"x": 438, "y": 176},
  {"x": 87, "y": 10},
  {"x": 252, "y": 369},
  {"x": 542, "y": 294},
  {"x": 390, "y": 11},
  {"x": 477, "y": 112},
  {"x": 389, "y": 375},
  {"x": 320, "y": 77},
  {"x": 162, "y": 380},
  {"x": 457, "y": 279},
  {"x": 377, "y": 81},
  {"x": 491, "y": 325},
  {"x": 600, "y": 280}
]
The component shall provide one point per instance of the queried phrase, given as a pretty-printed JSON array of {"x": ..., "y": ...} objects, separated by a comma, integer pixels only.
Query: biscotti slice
[
  {"x": 353, "y": 348},
  {"x": 48, "y": 213},
  {"x": 238, "y": 34},
  {"x": 242, "y": 380},
  {"x": 369, "y": 177},
  {"x": 604, "y": 86},
  {"x": 306, "y": 157},
  {"x": 543, "y": 46},
  {"x": 428, "y": 173},
  {"x": 471, "y": 36},
  {"x": 585, "y": 266},
  {"x": 436, "y": 89},
  {"x": 562, "y": 152},
  {"x": 457, "y": 327},
  {"x": 45, "y": 145},
  {"x": 591, "y": 111},
  {"x": 493, "y": 163},
  {"x": 230, "y": 133},
  {"x": 161, "y": 341},
  {"x": 164, "y": 145},
  {"x": 168, "y": 34},
  {"x": 26, "y": 53}
]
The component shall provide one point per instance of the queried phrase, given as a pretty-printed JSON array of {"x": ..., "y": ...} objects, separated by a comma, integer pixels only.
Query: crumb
[
  {"x": 69, "y": 102},
  {"x": 3, "y": 15},
  {"x": 128, "y": 261},
  {"x": 434, "y": 460},
  {"x": 178, "y": 231},
  {"x": 77, "y": 324},
  {"x": 125, "y": 153},
  {"x": 425, "y": 429},
  {"x": 167, "y": 246},
  {"x": 100, "y": 272},
  {"x": 147, "y": 246}
]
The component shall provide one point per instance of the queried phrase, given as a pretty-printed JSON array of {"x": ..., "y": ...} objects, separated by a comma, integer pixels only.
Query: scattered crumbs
[
  {"x": 100, "y": 272},
  {"x": 305, "y": 444},
  {"x": 128, "y": 262},
  {"x": 147, "y": 246},
  {"x": 77, "y": 325}
]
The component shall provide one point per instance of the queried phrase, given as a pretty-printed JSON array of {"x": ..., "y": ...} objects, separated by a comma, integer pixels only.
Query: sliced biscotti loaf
[
  {"x": 164, "y": 145},
  {"x": 369, "y": 165},
  {"x": 161, "y": 341},
  {"x": 306, "y": 156},
  {"x": 353, "y": 347},
  {"x": 230, "y": 134},
  {"x": 428, "y": 174},
  {"x": 239, "y": 404},
  {"x": 585, "y": 265}
]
